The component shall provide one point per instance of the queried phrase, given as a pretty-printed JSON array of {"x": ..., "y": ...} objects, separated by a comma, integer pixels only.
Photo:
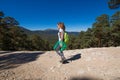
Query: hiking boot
[{"x": 63, "y": 60}]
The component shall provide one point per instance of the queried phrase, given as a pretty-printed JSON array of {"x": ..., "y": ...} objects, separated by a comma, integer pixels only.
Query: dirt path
[{"x": 84, "y": 64}]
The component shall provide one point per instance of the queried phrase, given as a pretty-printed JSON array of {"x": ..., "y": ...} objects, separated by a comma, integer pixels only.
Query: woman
[{"x": 60, "y": 45}]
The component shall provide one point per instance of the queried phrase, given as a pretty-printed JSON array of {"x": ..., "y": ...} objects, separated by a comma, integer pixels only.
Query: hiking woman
[{"x": 60, "y": 45}]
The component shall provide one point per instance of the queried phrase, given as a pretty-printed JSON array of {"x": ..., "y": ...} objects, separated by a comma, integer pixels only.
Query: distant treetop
[{"x": 113, "y": 4}]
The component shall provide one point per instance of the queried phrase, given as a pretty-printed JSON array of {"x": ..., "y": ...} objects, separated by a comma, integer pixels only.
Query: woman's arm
[{"x": 61, "y": 36}]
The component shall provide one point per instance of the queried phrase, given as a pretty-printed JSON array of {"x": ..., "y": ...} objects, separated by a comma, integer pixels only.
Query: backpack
[{"x": 66, "y": 38}]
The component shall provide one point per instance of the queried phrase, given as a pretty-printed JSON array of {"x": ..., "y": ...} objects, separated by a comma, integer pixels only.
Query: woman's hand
[{"x": 61, "y": 43}]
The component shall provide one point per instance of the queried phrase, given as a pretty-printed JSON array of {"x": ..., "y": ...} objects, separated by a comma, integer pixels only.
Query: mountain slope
[
  {"x": 84, "y": 64},
  {"x": 48, "y": 34},
  {"x": 45, "y": 32}
]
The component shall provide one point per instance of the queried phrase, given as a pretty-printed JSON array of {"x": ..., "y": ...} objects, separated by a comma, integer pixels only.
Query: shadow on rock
[
  {"x": 84, "y": 78},
  {"x": 74, "y": 57},
  {"x": 118, "y": 78},
  {"x": 16, "y": 59},
  {"x": 3, "y": 52}
]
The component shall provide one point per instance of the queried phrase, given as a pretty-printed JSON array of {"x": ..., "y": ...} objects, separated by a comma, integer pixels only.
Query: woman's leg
[{"x": 60, "y": 53}]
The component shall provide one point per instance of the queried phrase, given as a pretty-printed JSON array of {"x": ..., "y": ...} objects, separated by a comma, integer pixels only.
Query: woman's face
[{"x": 58, "y": 26}]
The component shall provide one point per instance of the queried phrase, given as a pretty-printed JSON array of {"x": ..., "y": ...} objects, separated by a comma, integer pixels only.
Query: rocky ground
[{"x": 84, "y": 64}]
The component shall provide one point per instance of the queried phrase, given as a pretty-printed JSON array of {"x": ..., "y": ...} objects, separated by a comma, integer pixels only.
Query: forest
[
  {"x": 104, "y": 32},
  {"x": 14, "y": 38}
]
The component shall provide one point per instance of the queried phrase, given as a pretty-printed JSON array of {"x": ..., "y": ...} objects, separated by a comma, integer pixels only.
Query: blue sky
[{"x": 43, "y": 14}]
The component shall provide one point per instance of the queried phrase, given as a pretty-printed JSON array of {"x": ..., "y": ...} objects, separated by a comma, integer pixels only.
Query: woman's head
[{"x": 61, "y": 25}]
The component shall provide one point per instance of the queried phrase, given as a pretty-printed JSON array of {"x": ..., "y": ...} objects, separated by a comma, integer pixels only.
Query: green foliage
[
  {"x": 13, "y": 38},
  {"x": 113, "y": 4},
  {"x": 9, "y": 21},
  {"x": 105, "y": 32},
  {"x": 37, "y": 43}
]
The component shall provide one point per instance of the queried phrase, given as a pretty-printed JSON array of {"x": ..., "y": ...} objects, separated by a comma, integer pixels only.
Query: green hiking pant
[{"x": 58, "y": 43}]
